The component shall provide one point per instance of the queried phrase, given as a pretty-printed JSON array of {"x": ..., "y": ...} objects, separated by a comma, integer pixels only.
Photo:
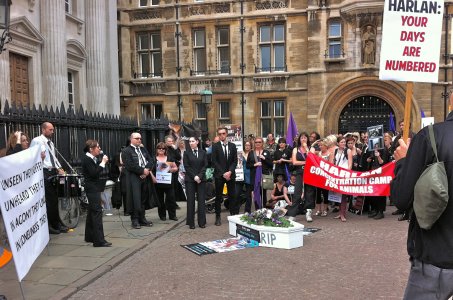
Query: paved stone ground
[{"x": 360, "y": 259}]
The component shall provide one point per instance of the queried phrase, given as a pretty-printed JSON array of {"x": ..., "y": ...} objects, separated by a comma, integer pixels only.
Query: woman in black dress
[{"x": 91, "y": 169}]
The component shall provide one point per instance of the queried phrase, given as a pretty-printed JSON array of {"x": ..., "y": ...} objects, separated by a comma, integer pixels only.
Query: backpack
[{"x": 431, "y": 190}]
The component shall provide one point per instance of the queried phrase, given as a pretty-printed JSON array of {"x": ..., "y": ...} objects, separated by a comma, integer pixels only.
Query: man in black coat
[
  {"x": 224, "y": 160},
  {"x": 137, "y": 166},
  {"x": 430, "y": 251}
]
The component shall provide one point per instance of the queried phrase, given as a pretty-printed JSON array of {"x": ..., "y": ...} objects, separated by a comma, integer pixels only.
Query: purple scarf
[{"x": 257, "y": 187}]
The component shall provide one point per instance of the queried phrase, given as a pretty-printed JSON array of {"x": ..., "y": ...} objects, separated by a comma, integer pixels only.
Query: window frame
[
  {"x": 200, "y": 119},
  {"x": 71, "y": 88},
  {"x": 150, "y": 51},
  {"x": 224, "y": 119},
  {"x": 220, "y": 47},
  {"x": 68, "y": 6},
  {"x": 199, "y": 48},
  {"x": 152, "y": 110},
  {"x": 272, "y": 117},
  {"x": 334, "y": 41},
  {"x": 272, "y": 45}
]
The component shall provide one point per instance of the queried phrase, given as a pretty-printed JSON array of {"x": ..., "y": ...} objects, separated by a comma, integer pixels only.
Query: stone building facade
[
  {"x": 263, "y": 60},
  {"x": 62, "y": 51}
]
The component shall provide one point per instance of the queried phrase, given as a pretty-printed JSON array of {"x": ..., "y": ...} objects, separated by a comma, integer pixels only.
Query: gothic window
[
  {"x": 201, "y": 115},
  {"x": 224, "y": 112}
]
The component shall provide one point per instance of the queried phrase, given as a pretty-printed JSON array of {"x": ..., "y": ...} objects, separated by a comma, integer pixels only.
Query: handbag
[
  {"x": 267, "y": 181},
  {"x": 431, "y": 190}
]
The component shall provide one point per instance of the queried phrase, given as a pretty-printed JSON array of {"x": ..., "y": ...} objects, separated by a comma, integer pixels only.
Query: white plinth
[{"x": 274, "y": 237}]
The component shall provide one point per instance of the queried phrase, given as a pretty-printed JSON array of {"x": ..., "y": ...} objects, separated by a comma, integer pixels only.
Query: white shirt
[
  {"x": 42, "y": 141},
  {"x": 102, "y": 164}
]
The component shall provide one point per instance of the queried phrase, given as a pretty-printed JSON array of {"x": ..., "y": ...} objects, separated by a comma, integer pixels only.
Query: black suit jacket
[
  {"x": 195, "y": 166},
  {"x": 91, "y": 172},
  {"x": 220, "y": 164},
  {"x": 133, "y": 171}
]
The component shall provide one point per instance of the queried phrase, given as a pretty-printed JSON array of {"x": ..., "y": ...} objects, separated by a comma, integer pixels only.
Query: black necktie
[
  {"x": 52, "y": 160},
  {"x": 226, "y": 151},
  {"x": 195, "y": 153}
]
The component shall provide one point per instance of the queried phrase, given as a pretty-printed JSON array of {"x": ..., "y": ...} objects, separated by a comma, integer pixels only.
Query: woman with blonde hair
[{"x": 17, "y": 142}]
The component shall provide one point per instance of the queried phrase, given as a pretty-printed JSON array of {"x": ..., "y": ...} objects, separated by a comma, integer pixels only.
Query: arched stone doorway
[
  {"x": 341, "y": 95},
  {"x": 363, "y": 112}
]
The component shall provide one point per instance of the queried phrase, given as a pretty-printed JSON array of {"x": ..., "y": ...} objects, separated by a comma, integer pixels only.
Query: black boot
[
  {"x": 379, "y": 215},
  {"x": 218, "y": 222}
]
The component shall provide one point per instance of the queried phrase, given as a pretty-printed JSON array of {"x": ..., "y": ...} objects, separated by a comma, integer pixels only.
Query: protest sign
[
  {"x": 323, "y": 174},
  {"x": 23, "y": 206},
  {"x": 411, "y": 38},
  {"x": 234, "y": 135}
]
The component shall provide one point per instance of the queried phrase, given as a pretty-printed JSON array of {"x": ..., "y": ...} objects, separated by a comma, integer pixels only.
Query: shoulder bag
[{"x": 431, "y": 190}]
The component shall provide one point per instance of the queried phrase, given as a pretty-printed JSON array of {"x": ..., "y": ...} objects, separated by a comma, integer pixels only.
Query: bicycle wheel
[{"x": 69, "y": 211}]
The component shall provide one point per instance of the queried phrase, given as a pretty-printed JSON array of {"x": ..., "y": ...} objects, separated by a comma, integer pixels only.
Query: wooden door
[{"x": 18, "y": 65}]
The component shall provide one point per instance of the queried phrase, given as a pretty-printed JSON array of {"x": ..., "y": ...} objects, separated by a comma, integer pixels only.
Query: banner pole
[
  {"x": 407, "y": 110},
  {"x": 21, "y": 290}
]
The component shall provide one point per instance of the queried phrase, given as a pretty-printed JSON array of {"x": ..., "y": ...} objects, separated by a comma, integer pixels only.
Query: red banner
[{"x": 323, "y": 174}]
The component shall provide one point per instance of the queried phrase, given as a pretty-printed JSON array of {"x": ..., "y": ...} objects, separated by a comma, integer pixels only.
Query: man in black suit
[
  {"x": 224, "y": 160},
  {"x": 137, "y": 165}
]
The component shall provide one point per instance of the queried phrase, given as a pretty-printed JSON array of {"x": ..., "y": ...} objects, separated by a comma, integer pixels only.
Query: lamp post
[
  {"x": 206, "y": 99},
  {"x": 5, "y": 38}
]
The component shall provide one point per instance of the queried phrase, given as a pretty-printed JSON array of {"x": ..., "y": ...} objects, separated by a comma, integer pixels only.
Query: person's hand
[
  {"x": 18, "y": 134},
  {"x": 359, "y": 151},
  {"x": 401, "y": 151},
  {"x": 227, "y": 175},
  {"x": 376, "y": 153},
  {"x": 258, "y": 164},
  {"x": 105, "y": 159},
  {"x": 146, "y": 172},
  {"x": 43, "y": 155},
  {"x": 262, "y": 156},
  {"x": 368, "y": 159},
  {"x": 60, "y": 171}
]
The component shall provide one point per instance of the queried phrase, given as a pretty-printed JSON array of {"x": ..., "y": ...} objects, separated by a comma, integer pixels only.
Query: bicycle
[{"x": 74, "y": 199}]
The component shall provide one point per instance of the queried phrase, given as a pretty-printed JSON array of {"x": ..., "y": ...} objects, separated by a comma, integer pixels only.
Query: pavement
[
  {"x": 362, "y": 258},
  {"x": 69, "y": 263}
]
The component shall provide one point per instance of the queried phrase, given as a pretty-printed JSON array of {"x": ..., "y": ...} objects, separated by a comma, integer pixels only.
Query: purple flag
[
  {"x": 291, "y": 132},
  {"x": 422, "y": 113},
  {"x": 392, "y": 123},
  {"x": 257, "y": 187}
]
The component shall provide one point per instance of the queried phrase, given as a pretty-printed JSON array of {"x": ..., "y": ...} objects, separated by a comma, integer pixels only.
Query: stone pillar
[
  {"x": 96, "y": 29},
  {"x": 54, "y": 65},
  {"x": 5, "y": 88}
]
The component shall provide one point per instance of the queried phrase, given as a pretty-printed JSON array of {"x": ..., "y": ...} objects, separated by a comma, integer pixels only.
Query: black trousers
[
  {"x": 309, "y": 197},
  {"x": 199, "y": 188},
  {"x": 248, "y": 196},
  {"x": 137, "y": 209},
  {"x": 378, "y": 203},
  {"x": 231, "y": 186},
  {"x": 94, "y": 230},
  {"x": 50, "y": 189},
  {"x": 166, "y": 202}
]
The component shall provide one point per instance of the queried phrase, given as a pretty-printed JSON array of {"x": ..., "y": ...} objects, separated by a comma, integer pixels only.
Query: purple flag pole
[{"x": 291, "y": 132}]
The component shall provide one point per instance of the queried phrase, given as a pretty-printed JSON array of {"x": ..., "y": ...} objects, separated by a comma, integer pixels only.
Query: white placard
[
  {"x": 163, "y": 177},
  {"x": 411, "y": 37},
  {"x": 24, "y": 207},
  {"x": 334, "y": 197},
  {"x": 427, "y": 121}
]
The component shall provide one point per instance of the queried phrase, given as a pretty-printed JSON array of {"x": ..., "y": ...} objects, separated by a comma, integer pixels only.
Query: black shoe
[
  {"x": 372, "y": 214},
  {"x": 202, "y": 226},
  {"x": 218, "y": 222},
  {"x": 403, "y": 217},
  {"x": 103, "y": 244},
  {"x": 63, "y": 229},
  {"x": 192, "y": 226},
  {"x": 174, "y": 218},
  {"x": 136, "y": 225},
  {"x": 379, "y": 215},
  {"x": 397, "y": 212},
  {"x": 146, "y": 223},
  {"x": 53, "y": 230},
  {"x": 163, "y": 218}
]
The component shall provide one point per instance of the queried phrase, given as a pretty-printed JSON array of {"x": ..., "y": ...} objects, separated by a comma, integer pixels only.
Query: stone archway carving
[{"x": 334, "y": 102}]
